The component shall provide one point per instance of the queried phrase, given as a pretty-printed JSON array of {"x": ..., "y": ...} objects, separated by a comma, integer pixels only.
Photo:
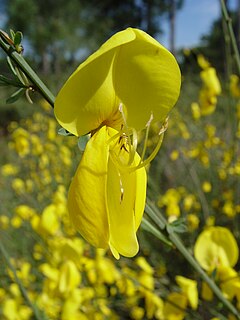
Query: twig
[
  {"x": 231, "y": 34},
  {"x": 153, "y": 211},
  {"x": 28, "y": 71}
]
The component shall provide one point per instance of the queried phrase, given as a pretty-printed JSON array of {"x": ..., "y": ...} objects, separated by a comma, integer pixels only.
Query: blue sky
[{"x": 194, "y": 20}]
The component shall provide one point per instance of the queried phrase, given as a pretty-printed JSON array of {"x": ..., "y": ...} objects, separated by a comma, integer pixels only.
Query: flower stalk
[
  {"x": 26, "y": 69},
  {"x": 228, "y": 21}
]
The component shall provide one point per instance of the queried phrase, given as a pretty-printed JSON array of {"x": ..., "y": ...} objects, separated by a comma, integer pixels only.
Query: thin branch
[
  {"x": 231, "y": 34},
  {"x": 28, "y": 71}
]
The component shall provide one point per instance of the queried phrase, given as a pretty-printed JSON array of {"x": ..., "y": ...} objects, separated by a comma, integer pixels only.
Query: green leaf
[
  {"x": 21, "y": 77},
  {"x": 177, "y": 226},
  {"x": 7, "y": 81},
  {"x": 146, "y": 225},
  {"x": 11, "y": 66},
  {"x": 63, "y": 132},
  {"x": 15, "y": 96},
  {"x": 18, "y": 38},
  {"x": 82, "y": 142},
  {"x": 12, "y": 33}
]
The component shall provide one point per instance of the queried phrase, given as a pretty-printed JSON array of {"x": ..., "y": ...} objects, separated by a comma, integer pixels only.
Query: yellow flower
[
  {"x": 202, "y": 62},
  {"x": 130, "y": 68},
  {"x": 189, "y": 288},
  {"x": 9, "y": 170},
  {"x": 206, "y": 292},
  {"x": 215, "y": 247},
  {"x": 105, "y": 204},
  {"x": 234, "y": 86},
  {"x": 69, "y": 277},
  {"x": 211, "y": 81},
  {"x": 129, "y": 83},
  {"x": 229, "y": 281},
  {"x": 174, "y": 307},
  {"x": 206, "y": 186},
  {"x": 209, "y": 92}
]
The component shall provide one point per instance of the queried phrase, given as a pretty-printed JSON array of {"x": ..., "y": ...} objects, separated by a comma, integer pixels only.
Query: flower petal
[
  {"x": 126, "y": 195},
  {"x": 146, "y": 79},
  {"x": 122, "y": 227},
  {"x": 87, "y": 193},
  {"x": 141, "y": 189},
  {"x": 215, "y": 247},
  {"x": 88, "y": 98}
]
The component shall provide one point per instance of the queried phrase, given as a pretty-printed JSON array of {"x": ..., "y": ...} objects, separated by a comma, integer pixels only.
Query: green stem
[
  {"x": 28, "y": 71},
  {"x": 154, "y": 212},
  {"x": 35, "y": 310},
  {"x": 231, "y": 34}
]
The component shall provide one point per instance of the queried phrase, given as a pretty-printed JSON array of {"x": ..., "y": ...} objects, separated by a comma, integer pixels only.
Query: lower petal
[
  {"x": 87, "y": 193},
  {"x": 141, "y": 189},
  {"x": 121, "y": 189}
]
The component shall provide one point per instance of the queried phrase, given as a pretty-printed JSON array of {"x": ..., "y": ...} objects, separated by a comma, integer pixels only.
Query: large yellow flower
[
  {"x": 130, "y": 68},
  {"x": 130, "y": 82}
]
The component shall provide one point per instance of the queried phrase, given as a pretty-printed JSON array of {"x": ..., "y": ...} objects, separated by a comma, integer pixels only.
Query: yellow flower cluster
[
  {"x": 65, "y": 277},
  {"x": 211, "y": 88}
]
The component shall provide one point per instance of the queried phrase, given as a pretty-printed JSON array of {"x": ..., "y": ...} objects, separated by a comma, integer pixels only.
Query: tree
[
  {"x": 51, "y": 28},
  {"x": 217, "y": 47},
  {"x": 59, "y": 31}
]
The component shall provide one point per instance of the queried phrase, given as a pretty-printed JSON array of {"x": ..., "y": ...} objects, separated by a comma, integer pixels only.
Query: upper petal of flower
[
  {"x": 146, "y": 79},
  {"x": 87, "y": 193},
  {"x": 88, "y": 98},
  {"x": 131, "y": 68}
]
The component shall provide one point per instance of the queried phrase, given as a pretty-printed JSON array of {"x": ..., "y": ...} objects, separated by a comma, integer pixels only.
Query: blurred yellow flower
[
  {"x": 189, "y": 288},
  {"x": 209, "y": 92},
  {"x": 234, "y": 86},
  {"x": 137, "y": 83},
  {"x": 69, "y": 277},
  {"x": 206, "y": 292},
  {"x": 9, "y": 169},
  {"x": 174, "y": 307},
  {"x": 211, "y": 81},
  {"x": 196, "y": 111},
  {"x": 215, "y": 247},
  {"x": 229, "y": 281},
  {"x": 192, "y": 221},
  {"x": 49, "y": 221},
  {"x": 21, "y": 141},
  {"x": 206, "y": 186},
  {"x": 202, "y": 62}
]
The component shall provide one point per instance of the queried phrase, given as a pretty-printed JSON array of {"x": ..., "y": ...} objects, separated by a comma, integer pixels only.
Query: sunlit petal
[
  {"x": 121, "y": 196},
  {"x": 87, "y": 193},
  {"x": 146, "y": 79},
  {"x": 88, "y": 97}
]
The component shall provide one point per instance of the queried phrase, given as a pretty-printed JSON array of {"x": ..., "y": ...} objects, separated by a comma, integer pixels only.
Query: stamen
[
  {"x": 125, "y": 127},
  {"x": 133, "y": 150},
  {"x": 146, "y": 137},
  {"x": 155, "y": 151},
  {"x": 128, "y": 137}
]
